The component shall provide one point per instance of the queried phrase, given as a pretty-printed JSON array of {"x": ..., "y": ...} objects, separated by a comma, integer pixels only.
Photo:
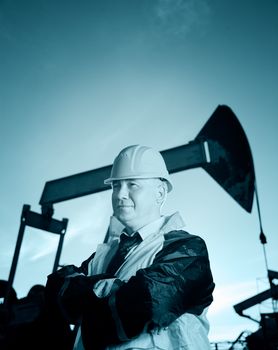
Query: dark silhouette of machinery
[
  {"x": 266, "y": 337},
  {"x": 221, "y": 148}
]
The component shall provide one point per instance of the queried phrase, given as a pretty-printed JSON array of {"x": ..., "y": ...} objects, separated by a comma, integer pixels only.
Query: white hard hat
[{"x": 139, "y": 162}]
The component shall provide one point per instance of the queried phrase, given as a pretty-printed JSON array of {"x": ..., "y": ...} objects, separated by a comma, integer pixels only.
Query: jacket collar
[
  {"x": 173, "y": 222},
  {"x": 164, "y": 224}
]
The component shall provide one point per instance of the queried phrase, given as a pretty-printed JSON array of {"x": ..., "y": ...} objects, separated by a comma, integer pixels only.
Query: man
[{"x": 149, "y": 288}]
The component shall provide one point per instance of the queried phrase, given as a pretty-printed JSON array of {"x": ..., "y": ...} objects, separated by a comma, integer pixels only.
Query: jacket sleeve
[{"x": 178, "y": 281}]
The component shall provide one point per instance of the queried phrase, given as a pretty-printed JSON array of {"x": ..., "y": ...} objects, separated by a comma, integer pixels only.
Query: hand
[
  {"x": 57, "y": 279},
  {"x": 73, "y": 296},
  {"x": 76, "y": 294},
  {"x": 64, "y": 272}
]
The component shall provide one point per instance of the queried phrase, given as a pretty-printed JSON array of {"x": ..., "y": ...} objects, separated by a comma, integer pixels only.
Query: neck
[{"x": 130, "y": 229}]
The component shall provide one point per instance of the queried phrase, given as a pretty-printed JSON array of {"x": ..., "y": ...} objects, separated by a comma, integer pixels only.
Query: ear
[{"x": 161, "y": 192}]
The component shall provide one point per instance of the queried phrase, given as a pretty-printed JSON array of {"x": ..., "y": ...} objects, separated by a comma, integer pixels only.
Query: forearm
[
  {"x": 154, "y": 298},
  {"x": 178, "y": 281}
]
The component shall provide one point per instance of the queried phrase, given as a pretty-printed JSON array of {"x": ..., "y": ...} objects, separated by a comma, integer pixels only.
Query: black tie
[{"x": 125, "y": 245}]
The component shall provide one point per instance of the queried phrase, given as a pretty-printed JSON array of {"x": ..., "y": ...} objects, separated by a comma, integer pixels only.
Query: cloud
[
  {"x": 228, "y": 295},
  {"x": 224, "y": 333},
  {"x": 179, "y": 17},
  {"x": 39, "y": 245}
]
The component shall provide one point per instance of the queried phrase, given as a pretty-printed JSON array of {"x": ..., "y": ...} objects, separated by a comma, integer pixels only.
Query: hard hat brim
[{"x": 109, "y": 180}]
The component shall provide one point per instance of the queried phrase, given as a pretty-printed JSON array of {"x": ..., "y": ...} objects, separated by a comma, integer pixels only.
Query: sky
[{"x": 81, "y": 80}]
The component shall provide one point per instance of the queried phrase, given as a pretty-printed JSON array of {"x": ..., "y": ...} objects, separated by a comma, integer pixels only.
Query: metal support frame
[
  {"x": 42, "y": 222},
  {"x": 258, "y": 298}
]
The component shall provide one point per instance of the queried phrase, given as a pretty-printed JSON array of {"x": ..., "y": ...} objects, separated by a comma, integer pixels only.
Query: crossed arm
[{"x": 178, "y": 281}]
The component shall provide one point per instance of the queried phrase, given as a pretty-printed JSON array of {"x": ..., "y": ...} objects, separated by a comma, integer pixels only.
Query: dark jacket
[{"x": 158, "y": 297}]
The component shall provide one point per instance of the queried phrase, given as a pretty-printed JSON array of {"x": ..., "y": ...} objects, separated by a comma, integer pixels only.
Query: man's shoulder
[
  {"x": 178, "y": 235},
  {"x": 180, "y": 243}
]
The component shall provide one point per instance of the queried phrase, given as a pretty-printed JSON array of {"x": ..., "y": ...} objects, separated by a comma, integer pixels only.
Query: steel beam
[{"x": 191, "y": 155}]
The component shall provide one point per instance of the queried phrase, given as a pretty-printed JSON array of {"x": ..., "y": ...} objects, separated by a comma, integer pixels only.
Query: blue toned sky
[{"x": 81, "y": 80}]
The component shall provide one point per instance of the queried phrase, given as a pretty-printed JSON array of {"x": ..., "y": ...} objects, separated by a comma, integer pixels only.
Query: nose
[{"x": 121, "y": 191}]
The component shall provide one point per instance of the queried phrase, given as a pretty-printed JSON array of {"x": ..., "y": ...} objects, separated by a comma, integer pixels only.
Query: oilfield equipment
[{"x": 222, "y": 149}]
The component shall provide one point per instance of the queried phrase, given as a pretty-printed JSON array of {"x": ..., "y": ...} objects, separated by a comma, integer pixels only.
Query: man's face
[{"x": 136, "y": 202}]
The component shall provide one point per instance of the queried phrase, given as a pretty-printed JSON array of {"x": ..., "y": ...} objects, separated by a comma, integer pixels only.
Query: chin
[{"x": 124, "y": 219}]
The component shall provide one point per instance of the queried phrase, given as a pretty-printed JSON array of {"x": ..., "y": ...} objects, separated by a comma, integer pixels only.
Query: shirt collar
[{"x": 150, "y": 228}]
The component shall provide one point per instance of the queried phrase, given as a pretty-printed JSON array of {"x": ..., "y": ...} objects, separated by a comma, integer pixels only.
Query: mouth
[{"x": 124, "y": 206}]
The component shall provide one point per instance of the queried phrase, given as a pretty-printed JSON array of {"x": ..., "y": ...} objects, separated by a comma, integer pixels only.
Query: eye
[
  {"x": 115, "y": 185},
  {"x": 133, "y": 185}
]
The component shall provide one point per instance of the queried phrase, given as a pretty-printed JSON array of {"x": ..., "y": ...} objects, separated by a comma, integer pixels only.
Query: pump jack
[{"x": 221, "y": 148}]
